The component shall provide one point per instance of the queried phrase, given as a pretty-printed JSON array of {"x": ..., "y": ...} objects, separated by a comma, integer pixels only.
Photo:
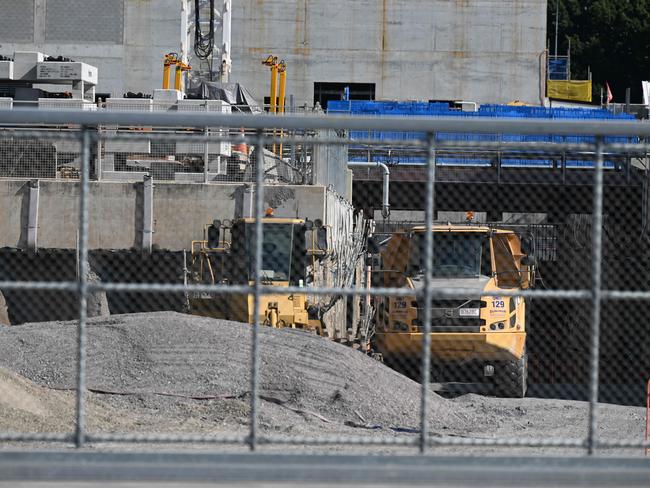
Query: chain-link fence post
[
  {"x": 257, "y": 266},
  {"x": 428, "y": 266},
  {"x": 596, "y": 291},
  {"x": 83, "y": 285}
]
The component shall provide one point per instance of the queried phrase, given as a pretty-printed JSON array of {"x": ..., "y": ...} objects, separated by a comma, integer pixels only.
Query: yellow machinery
[
  {"x": 470, "y": 333},
  {"x": 172, "y": 59},
  {"x": 277, "y": 102},
  {"x": 216, "y": 260}
]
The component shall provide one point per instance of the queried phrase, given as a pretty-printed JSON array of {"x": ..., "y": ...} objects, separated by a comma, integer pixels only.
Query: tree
[{"x": 610, "y": 37}]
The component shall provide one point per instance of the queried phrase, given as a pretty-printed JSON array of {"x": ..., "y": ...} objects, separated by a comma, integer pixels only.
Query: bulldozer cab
[
  {"x": 283, "y": 251},
  {"x": 226, "y": 255}
]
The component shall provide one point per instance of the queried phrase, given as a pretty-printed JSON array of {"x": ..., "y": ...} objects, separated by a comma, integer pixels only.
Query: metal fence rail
[{"x": 87, "y": 137}]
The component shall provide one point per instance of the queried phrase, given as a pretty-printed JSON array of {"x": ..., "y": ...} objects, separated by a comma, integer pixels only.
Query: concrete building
[
  {"x": 476, "y": 50},
  {"x": 489, "y": 51},
  {"x": 125, "y": 39}
]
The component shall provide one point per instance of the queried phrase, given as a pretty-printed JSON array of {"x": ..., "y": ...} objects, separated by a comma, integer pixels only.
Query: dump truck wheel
[{"x": 511, "y": 378}]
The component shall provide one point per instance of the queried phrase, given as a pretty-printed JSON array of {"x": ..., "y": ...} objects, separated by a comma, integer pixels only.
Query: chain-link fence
[
  {"x": 493, "y": 306},
  {"x": 130, "y": 153}
]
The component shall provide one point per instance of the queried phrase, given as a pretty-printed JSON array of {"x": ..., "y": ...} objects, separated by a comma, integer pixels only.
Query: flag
[{"x": 610, "y": 97}]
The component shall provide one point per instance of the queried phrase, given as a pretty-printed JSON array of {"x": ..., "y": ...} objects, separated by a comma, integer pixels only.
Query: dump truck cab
[
  {"x": 226, "y": 256},
  {"x": 469, "y": 331}
]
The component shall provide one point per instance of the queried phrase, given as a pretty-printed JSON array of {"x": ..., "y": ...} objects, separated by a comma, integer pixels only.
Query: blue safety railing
[{"x": 440, "y": 109}]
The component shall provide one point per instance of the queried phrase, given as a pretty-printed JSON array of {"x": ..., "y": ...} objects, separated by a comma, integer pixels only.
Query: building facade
[
  {"x": 489, "y": 51},
  {"x": 125, "y": 39}
]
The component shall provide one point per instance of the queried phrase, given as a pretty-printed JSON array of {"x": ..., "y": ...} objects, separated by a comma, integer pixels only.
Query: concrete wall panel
[
  {"x": 13, "y": 198},
  {"x": 112, "y": 215},
  {"x": 17, "y": 21},
  {"x": 125, "y": 39},
  {"x": 482, "y": 50},
  {"x": 94, "y": 21},
  {"x": 180, "y": 211}
]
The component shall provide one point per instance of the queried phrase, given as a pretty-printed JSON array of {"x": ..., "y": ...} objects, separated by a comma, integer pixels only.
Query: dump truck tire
[{"x": 511, "y": 378}]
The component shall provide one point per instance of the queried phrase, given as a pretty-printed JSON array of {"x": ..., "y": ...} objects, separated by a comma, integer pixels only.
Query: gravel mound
[
  {"x": 172, "y": 373},
  {"x": 171, "y": 355}
]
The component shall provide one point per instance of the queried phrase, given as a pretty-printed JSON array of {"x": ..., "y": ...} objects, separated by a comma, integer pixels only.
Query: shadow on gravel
[{"x": 624, "y": 394}]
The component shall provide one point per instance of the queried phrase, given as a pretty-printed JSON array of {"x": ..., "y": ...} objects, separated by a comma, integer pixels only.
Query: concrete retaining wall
[{"x": 180, "y": 211}]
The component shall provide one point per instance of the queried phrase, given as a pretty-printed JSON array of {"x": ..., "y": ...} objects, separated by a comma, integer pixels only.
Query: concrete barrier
[{"x": 117, "y": 211}]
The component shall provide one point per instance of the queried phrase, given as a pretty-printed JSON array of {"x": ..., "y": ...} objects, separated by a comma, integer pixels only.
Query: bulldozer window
[{"x": 277, "y": 247}]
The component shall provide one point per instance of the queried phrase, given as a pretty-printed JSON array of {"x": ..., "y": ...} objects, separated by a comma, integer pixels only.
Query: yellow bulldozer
[
  {"x": 471, "y": 334},
  {"x": 225, "y": 256}
]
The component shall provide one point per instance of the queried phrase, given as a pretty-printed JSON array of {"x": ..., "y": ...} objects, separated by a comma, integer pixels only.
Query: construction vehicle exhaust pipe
[{"x": 385, "y": 205}]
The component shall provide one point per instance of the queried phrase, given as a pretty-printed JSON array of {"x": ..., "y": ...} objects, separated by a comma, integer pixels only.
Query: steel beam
[
  {"x": 302, "y": 469},
  {"x": 397, "y": 124}
]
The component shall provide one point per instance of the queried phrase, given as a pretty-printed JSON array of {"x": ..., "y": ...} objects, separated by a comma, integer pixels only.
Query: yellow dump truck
[
  {"x": 471, "y": 334},
  {"x": 228, "y": 259}
]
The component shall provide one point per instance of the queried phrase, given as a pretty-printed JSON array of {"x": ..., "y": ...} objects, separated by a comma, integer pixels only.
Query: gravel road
[{"x": 168, "y": 372}]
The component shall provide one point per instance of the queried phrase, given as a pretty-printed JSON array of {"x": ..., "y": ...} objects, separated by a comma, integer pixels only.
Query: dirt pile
[
  {"x": 172, "y": 373},
  {"x": 172, "y": 355}
]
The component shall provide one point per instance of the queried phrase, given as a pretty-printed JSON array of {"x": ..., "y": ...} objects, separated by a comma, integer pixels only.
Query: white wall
[
  {"x": 125, "y": 39},
  {"x": 481, "y": 50}
]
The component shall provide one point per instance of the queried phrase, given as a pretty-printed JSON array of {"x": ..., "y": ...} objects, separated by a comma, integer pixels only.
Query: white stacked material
[
  {"x": 30, "y": 66},
  {"x": 167, "y": 95},
  {"x": 6, "y": 103},
  {"x": 81, "y": 76},
  {"x": 6, "y": 70},
  {"x": 25, "y": 63},
  {"x": 129, "y": 104},
  {"x": 66, "y": 145},
  {"x": 54, "y": 71},
  {"x": 215, "y": 148},
  {"x": 219, "y": 106},
  {"x": 65, "y": 104},
  {"x": 165, "y": 100},
  {"x": 126, "y": 105}
]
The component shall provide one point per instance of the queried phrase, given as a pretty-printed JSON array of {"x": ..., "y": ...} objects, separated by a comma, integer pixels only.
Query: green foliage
[{"x": 611, "y": 37}]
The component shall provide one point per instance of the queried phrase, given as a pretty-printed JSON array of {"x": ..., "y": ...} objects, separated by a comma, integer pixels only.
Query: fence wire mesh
[{"x": 467, "y": 296}]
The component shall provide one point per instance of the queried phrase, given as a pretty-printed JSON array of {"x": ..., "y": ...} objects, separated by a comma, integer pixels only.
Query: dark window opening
[{"x": 324, "y": 92}]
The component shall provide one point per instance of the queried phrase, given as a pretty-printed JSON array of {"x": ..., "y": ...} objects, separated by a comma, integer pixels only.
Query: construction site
[{"x": 242, "y": 226}]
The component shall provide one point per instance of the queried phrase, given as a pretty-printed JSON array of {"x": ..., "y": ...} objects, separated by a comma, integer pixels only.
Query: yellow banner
[{"x": 579, "y": 91}]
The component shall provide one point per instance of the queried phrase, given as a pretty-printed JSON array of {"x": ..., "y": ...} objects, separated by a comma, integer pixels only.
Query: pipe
[
  {"x": 226, "y": 21},
  {"x": 385, "y": 205},
  {"x": 282, "y": 68},
  {"x": 166, "y": 70},
  {"x": 178, "y": 77},
  {"x": 283, "y": 90},
  {"x": 274, "y": 88}
]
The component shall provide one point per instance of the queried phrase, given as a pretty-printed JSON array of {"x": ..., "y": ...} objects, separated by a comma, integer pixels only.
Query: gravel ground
[{"x": 174, "y": 373}]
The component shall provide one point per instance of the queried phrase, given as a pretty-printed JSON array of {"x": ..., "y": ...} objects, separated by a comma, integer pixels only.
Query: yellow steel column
[
  {"x": 180, "y": 68},
  {"x": 169, "y": 60},
  {"x": 166, "y": 76},
  {"x": 274, "y": 88},
  {"x": 177, "y": 78},
  {"x": 272, "y": 62},
  {"x": 282, "y": 68}
]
